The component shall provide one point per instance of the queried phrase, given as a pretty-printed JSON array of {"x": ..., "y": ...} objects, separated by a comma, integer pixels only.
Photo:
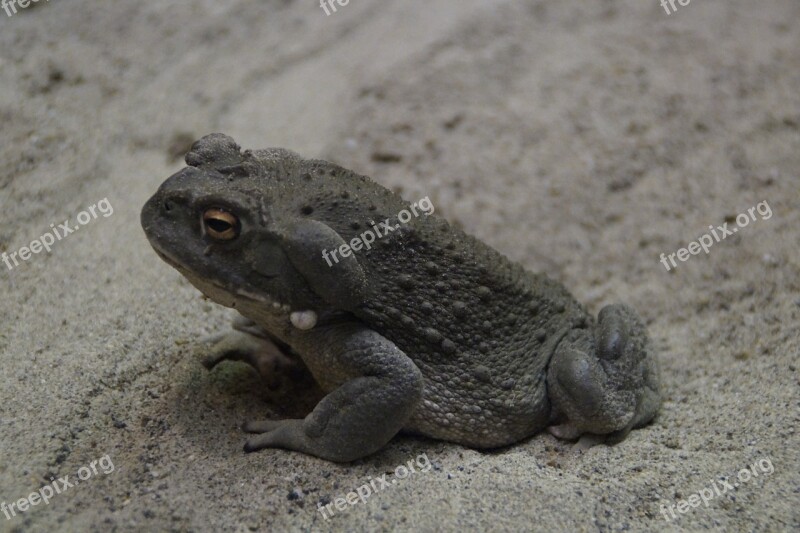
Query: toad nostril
[{"x": 168, "y": 205}]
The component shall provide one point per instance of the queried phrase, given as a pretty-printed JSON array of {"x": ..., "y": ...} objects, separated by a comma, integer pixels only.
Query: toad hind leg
[
  {"x": 604, "y": 382},
  {"x": 376, "y": 388}
]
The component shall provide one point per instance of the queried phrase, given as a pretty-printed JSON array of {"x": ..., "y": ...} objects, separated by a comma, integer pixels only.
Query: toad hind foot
[{"x": 605, "y": 381}]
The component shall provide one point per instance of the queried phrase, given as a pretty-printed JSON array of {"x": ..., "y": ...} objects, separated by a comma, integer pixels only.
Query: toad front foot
[
  {"x": 252, "y": 345},
  {"x": 376, "y": 390}
]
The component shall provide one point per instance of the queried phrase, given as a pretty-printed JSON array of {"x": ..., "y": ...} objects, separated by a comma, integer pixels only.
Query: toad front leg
[
  {"x": 251, "y": 344},
  {"x": 374, "y": 388}
]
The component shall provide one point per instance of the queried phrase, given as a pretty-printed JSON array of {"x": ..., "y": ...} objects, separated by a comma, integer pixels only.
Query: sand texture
[{"x": 582, "y": 138}]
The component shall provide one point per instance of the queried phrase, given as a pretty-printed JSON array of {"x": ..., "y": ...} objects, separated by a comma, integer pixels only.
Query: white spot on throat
[{"x": 304, "y": 320}]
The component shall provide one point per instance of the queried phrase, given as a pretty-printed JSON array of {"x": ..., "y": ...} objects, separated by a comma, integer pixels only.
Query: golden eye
[{"x": 220, "y": 224}]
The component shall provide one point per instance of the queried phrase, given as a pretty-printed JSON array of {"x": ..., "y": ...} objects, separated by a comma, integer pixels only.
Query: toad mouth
[{"x": 303, "y": 320}]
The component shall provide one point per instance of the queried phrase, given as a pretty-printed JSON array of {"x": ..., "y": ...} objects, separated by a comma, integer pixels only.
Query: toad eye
[{"x": 220, "y": 225}]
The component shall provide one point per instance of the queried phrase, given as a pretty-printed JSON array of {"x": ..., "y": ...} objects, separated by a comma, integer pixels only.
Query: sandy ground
[{"x": 581, "y": 138}]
